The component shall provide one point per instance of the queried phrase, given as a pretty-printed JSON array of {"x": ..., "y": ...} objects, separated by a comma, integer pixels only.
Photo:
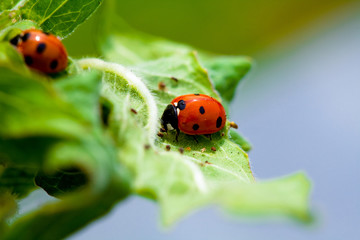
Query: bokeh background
[{"x": 299, "y": 106}]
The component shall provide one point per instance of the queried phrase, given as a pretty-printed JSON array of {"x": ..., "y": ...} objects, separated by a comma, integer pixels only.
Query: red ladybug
[
  {"x": 194, "y": 114},
  {"x": 42, "y": 51}
]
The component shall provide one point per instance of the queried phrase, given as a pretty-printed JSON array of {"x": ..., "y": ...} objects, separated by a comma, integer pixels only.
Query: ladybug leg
[
  {"x": 208, "y": 136},
  {"x": 195, "y": 139},
  {"x": 177, "y": 134}
]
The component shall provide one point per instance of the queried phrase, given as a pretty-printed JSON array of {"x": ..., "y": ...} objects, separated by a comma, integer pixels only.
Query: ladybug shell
[
  {"x": 199, "y": 114},
  {"x": 42, "y": 51}
]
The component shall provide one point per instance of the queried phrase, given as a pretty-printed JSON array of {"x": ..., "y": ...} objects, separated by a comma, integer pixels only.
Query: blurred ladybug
[
  {"x": 41, "y": 51},
  {"x": 194, "y": 114}
]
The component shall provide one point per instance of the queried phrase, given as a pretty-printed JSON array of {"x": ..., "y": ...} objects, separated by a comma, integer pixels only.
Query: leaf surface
[
  {"x": 59, "y": 17},
  {"x": 181, "y": 182},
  {"x": 59, "y": 130}
]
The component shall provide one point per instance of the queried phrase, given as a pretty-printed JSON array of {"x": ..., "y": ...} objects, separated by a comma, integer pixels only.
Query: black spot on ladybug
[
  {"x": 195, "y": 127},
  {"x": 53, "y": 64},
  {"x": 218, "y": 122},
  {"x": 202, "y": 110},
  {"x": 15, "y": 40},
  {"x": 25, "y": 37},
  {"x": 40, "y": 48},
  {"x": 181, "y": 104},
  {"x": 196, "y": 94},
  {"x": 28, "y": 60}
]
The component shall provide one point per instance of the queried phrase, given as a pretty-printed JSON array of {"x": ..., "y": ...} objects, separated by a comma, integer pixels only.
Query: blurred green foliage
[
  {"x": 91, "y": 138},
  {"x": 227, "y": 26}
]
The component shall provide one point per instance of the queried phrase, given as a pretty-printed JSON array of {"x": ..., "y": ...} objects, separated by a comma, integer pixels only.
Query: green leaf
[
  {"x": 11, "y": 31},
  {"x": 7, "y": 18},
  {"x": 89, "y": 139},
  {"x": 181, "y": 182},
  {"x": 18, "y": 180},
  {"x": 131, "y": 48},
  {"x": 7, "y": 4},
  {"x": 82, "y": 93},
  {"x": 58, "y": 129},
  {"x": 60, "y": 17},
  {"x": 64, "y": 217},
  {"x": 285, "y": 196},
  {"x": 8, "y": 205},
  {"x": 8, "y": 208},
  {"x": 226, "y": 73},
  {"x": 10, "y": 58},
  {"x": 22, "y": 101},
  {"x": 240, "y": 140}
]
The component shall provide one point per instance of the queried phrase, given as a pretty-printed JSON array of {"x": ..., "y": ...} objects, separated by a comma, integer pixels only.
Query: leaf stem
[{"x": 133, "y": 81}]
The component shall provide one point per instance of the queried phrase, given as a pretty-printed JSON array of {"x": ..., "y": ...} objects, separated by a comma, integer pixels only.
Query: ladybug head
[{"x": 169, "y": 117}]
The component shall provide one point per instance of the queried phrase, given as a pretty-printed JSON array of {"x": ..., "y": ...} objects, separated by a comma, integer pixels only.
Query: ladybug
[
  {"x": 194, "y": 114},
  {"x": 41, "y": 51}
]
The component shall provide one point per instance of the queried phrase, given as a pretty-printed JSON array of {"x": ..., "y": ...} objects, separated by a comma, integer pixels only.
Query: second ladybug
[
  {"x": 194, "y": 114},
  {"x": 41, "y": 51}
]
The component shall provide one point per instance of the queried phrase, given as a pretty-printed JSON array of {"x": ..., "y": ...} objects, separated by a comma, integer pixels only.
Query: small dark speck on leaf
[
  {"x": 161, "y": 86},
  {"x": 207, "y": 162},
  {"x": 181, "y": 150},
  {"x": 133, "y": 111},
  {"x": 167, "y": 147},
  {"x": 175, "y": 79},
  {"x": 147, "y": 146},
  {"x": 222, "y": 134},
  {"x": 160, "y": 134},
  {"x": 213, "y": 149}
]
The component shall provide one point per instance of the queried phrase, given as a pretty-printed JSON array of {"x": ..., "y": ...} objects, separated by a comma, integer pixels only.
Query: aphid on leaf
[
  {"x": 162, "y": 86},
  {"x": 234, "y": 125},
  {"x": 175, "y": 79}
]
